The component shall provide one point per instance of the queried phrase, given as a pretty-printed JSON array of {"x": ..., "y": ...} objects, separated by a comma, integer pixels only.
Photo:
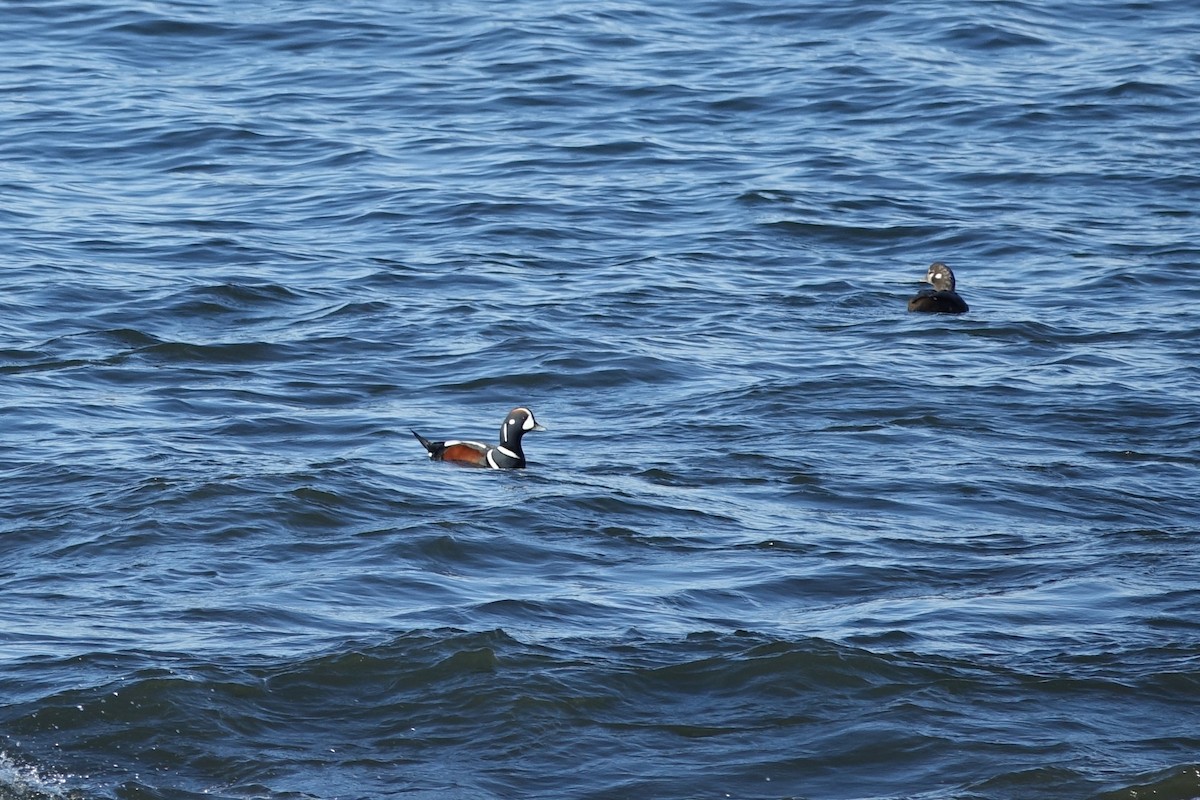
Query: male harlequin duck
[
  {"x": 506, "y": 455},
  {"x": 941, "y": 299}
]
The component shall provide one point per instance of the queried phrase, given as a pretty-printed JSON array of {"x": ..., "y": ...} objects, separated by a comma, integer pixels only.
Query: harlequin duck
[
  {"x": 506, "y": 455},
  {"x": 941, "y": 299}
]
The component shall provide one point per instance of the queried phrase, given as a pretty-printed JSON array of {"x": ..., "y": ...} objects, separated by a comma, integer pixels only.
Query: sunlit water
[{"x": 782, "y": 539}]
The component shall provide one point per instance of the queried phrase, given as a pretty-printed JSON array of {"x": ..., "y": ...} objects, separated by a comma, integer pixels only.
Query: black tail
[{"x": 428, "y": 445}]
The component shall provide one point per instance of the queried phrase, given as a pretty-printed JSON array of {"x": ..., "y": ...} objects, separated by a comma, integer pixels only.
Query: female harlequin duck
[
  {"x": 507, "y": 455},
  {"x": 941, "y": 299}
]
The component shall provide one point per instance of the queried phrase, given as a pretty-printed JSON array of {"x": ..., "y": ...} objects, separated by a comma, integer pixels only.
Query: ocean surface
[{"x": 781, "y": 539}]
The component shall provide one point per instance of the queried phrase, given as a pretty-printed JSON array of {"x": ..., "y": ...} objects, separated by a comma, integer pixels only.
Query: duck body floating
[
  {"x": 942, "y": 298},
  {"x": 506, "y": 455}
]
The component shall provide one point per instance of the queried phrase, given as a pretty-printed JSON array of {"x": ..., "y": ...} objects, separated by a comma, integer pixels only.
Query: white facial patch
[
  {"x": 939, "y": 275},
  {"x": 529, "y": 423}
]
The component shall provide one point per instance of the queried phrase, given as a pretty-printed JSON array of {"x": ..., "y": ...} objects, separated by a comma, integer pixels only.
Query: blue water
[{"x": 782, "y": 539}]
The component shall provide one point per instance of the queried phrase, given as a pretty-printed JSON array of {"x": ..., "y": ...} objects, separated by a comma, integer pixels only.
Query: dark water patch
[
  {"x": 991, "y": 37},
  {"x": 229, "y": 298},
  {"x": 1181, "y": 783}
]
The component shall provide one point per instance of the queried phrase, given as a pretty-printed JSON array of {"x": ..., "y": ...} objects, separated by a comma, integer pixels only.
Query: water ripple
[{"x": 782, "y": 538}]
